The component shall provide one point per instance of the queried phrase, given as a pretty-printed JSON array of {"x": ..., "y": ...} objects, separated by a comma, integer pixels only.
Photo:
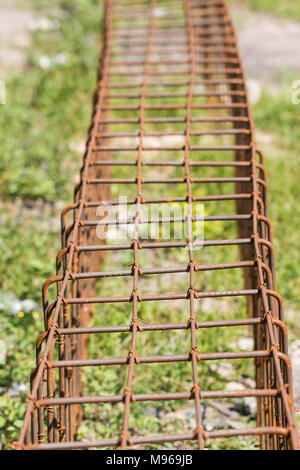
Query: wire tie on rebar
[
  {"x": 192, "y": 319},
  {"x": 133, "y": 353},
  {"x": 128, "y": 391},
  {"x": 98, "y": 120},
  {"x": 146, "y": 322},
  {"x": 283, "y": 387},
  {"x": 41, "y": 437},
  {"x": 139, "y": 197},
  {"x": 200, "y": 430},
  {"x": 261, "y": 286},
  {"x": 195, "y": 351},
  {"x": 61, "y": 340},
  {"x": 195, "y": 389},
  {"x": 135, "y": 321},
  {"x": 16, "y": 445},
  {"x": 258, "y": 258},
  {"x": 189, "y": 241},
  {"x": 57, "y": 331},
  {"x": 49, "y": 408}
]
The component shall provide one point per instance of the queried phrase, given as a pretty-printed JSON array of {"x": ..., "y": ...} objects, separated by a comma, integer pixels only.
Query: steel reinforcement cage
[{"x": 170, "y": 82}]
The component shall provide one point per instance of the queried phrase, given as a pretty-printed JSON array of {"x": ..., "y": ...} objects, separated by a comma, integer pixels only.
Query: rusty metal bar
[{"x": 170, "y": 81}]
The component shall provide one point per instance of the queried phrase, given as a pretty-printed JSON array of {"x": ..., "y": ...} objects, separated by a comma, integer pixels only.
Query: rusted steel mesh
[{"x": 170, "y": 84}]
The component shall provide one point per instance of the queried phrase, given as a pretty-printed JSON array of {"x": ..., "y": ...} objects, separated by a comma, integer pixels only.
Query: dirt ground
[{"x": 269, "y": 46}]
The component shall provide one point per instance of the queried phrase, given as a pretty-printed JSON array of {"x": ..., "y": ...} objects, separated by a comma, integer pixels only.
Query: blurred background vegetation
[{"x": 44, "y": 124}]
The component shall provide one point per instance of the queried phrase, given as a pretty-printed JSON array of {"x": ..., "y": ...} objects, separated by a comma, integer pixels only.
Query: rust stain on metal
[{"x": 193, "y": 47}]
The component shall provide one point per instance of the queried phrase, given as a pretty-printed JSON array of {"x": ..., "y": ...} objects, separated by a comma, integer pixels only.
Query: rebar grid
[{"x": 172, "y": 66}]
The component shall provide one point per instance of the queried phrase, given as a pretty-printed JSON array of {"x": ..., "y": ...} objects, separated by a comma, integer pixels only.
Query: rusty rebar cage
[{"x": 170, "y": 83}]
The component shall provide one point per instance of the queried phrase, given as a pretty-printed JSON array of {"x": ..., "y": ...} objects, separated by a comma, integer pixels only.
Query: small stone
[{"x": 246, "y": 344}]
